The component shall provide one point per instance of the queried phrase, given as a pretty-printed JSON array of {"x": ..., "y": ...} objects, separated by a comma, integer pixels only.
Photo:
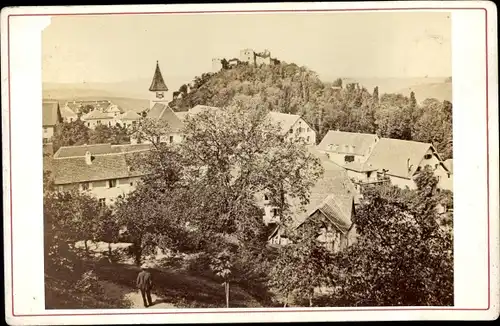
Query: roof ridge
[{"x": 84, "y": 145}]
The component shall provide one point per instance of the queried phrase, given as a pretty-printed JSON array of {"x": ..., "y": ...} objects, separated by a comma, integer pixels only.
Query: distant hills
[{"x": 424, "y": 88}]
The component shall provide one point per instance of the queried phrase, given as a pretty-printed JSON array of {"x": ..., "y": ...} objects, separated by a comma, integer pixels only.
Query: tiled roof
[
  {"x": 360, "y": 142},
  {"x": 98, "y": 149},
  {"x": 182, "y": 115},
  {"x": 333, "y": 194},
  {"x": 96, "y": 115},
  {"x": 158, "y": 84},
  {"x": 163, "y": 112},
  {"x": 393, "y": 155},
  {"x": 129, "y": 115},
  {"x": 116, "y": 163},
  {"x": 449, "y": 165},
  {"x": 286, "y": 121},
  {"x": 50, "y": 113},
  {"x": 73, "y": 151},
  {"x": 66, "y": 112},
  {"x": 359, "y": 167}
]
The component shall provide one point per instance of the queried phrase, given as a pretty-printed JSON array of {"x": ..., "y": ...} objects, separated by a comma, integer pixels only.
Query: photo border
[{"x": 259, "y": 310}]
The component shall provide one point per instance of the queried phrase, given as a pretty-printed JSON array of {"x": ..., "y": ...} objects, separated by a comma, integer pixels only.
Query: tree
[
  {"x": 375, "y": 95},
  {"x": 152, "y": 219},
  {"x": 71, "y": 134},
  {"x": 242, "y": 154},
  {"x": 86, "y": 109},
  {"x": 103, "y": 134},
  {"x": 70, "y": 216},
  {"x": 221, "y": 265},
  {"x": 337, "y": 82},
  {"x": 402, "y": 256},
  {"x": 302, "y": 265},
  {"x": 435, "y": 126}
]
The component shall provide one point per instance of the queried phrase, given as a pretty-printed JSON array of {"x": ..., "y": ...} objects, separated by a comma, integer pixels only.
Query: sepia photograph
[{"x": 248, "y": 160}]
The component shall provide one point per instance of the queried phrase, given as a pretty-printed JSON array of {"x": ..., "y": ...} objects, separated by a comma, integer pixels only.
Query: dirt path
[{"x": 132, "y": 296}]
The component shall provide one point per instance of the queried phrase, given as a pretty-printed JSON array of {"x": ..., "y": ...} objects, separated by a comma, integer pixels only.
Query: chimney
[{"x": 88, "y": 158}]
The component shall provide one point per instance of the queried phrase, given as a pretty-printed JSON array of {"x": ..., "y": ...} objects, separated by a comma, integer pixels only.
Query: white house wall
[
  {"x": 307, "y": 133},
  {"x": 48, "y": 133},
  {"x": 99, "y": 189}
]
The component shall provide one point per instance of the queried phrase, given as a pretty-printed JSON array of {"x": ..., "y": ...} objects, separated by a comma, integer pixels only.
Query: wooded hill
[{"x": 289, "y": 88}]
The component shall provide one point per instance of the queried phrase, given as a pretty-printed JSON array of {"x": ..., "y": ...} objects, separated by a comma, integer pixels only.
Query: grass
[{"x": 60, "y": 294}]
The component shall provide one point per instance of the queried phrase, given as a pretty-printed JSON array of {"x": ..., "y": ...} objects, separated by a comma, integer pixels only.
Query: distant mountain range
[
  {"x": 134, "y": 95},
  {"x": 439, "y": 88}
]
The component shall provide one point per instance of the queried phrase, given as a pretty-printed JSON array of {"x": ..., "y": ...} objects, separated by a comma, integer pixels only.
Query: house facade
[
  {"x": 51, "y": 118},
  {"x": 346, "y": 147},
  {"x": 97, "y": 118},
  {"x": 104, "y": 171},
  {"x": 293, "y": 126},
  {"x": 127, "y": 119},
  {"x": 402, "y": 160},
  {"x": 331, "y": 204}
]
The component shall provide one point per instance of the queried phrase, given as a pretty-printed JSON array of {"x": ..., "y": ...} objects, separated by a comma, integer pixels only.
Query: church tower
[{"x": 159, "y": 88}]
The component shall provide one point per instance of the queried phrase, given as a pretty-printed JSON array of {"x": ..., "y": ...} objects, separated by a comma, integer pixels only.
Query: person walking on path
[{"x": 145, "y": 284}]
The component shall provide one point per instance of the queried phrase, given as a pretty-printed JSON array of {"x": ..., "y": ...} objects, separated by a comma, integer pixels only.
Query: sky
[{"x": 79, "y": 49}]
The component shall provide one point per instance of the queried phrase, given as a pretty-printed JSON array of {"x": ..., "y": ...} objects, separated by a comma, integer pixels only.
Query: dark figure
[{"x": 145, "y": 284}]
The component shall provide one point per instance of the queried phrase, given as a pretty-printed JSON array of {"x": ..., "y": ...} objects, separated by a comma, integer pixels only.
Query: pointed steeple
[{"x": 158, "y": 84}]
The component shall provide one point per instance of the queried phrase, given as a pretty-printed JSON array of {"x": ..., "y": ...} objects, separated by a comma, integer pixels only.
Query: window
[
  {"x": 428, "y": 156},
  {"x": 171, "y": 139},
  {"x": 436, "y": 166},
  {"x": 308, "y": 138},
  {"x": 275, "y": 212},
  {"x": 112, "y": 183},
  {"x": 291, "y": 131},
  {"x": 45, "y": 129},
  {"x": 102, "y": 201},
  {"x": 349, "y": 158},
  {"x": 85, "y": 186},
  {"x": 88, "y": 124},
  {"x": 60, "y": 188},
  {"x": 300, "y": 129},
  {"x": 131, "y": 183},
  {"x": 266, "y": 197}
]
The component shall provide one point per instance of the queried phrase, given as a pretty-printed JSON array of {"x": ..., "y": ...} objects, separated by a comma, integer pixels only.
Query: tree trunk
[
  {"x": 227, "y": 294},
  {"x": 137, "y": 253}
]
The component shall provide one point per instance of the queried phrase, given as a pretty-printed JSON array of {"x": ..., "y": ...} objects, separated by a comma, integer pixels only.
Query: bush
[
  {"x": 89, "y": 282},
  {"x": 199, "y": 264}
]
